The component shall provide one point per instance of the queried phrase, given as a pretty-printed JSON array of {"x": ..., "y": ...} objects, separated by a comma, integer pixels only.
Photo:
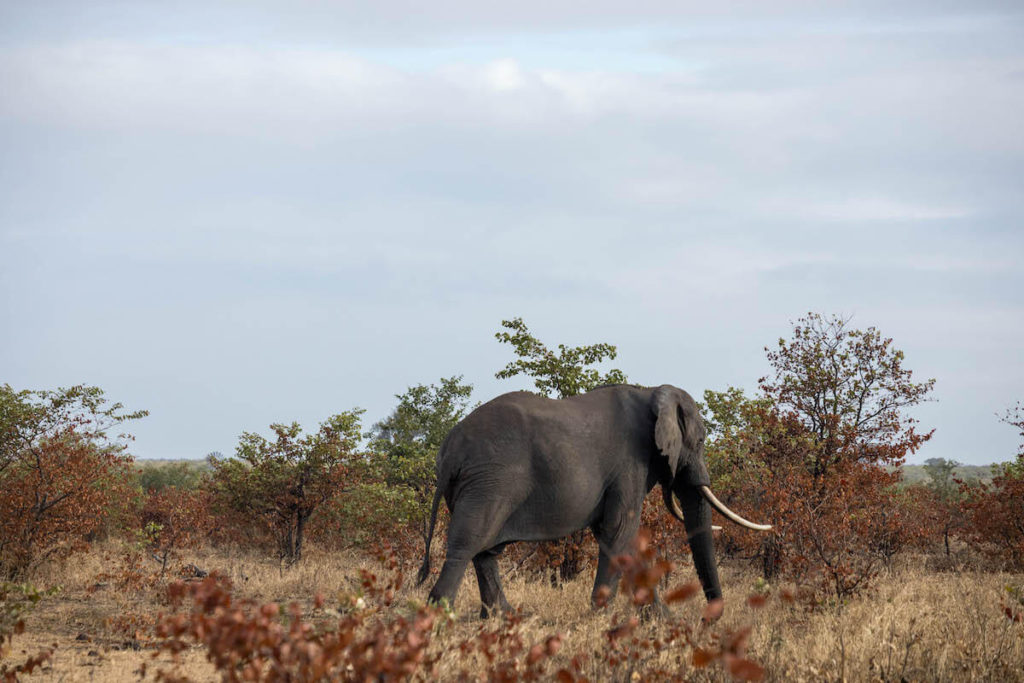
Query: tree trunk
[
  {"x": 572, "y": 558},
  {"x": 300, "y": 527},
  {"x": 771, "y": 556}
]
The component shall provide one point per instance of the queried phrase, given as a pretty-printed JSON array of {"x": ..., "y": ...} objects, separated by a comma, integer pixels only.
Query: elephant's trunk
[
  {"x": 732, "y": 516},
  {"x": 697, "y": 519}
]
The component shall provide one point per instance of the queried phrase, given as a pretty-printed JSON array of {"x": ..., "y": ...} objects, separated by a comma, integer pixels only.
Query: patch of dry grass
[{"x": 917, "y": 625}]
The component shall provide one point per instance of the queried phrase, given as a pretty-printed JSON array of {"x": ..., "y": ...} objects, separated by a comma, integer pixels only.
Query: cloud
[
  {"x": 368, "y": 188},
  {"x": 872, "y": 209}
]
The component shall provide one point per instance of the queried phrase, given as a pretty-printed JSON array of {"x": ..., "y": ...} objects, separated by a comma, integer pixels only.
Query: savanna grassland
[
  {"x": 914, "y": 624},
  {"x": 292, "y": 559}
]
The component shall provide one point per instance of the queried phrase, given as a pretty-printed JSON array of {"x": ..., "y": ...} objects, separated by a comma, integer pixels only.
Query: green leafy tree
[
  {"x": 733, "y": 423},
  {"x": 564, "y": 374},
  {"x": 405, "y": 444},
  {"x": 940, "y": 476},
  {"x": 281, "y": 482},
  {"x": 949, "y": 493},
  {"x": 156, "y": 477}
]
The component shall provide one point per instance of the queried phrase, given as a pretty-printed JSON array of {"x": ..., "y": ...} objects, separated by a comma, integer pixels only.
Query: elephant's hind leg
[
  {"x": 489, "y": 579},
  {"x": 473, "y": 529},
  {"x": 447, "y": 586}
]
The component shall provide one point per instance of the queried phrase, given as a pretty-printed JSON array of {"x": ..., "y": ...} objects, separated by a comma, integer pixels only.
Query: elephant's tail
[{"x": 425, "y": 567}]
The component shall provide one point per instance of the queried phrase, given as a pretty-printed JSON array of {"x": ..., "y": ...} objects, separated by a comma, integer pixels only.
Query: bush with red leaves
[
  {"x": 996, "y": 511},
  {"x": 248, "y": 641},
  {"x": 630, "y": 653},
  {"x": 61, "y": 472},
  {"x": 175, "y": 519}
]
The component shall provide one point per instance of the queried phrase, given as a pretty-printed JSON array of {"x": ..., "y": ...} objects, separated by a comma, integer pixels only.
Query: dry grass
[{"x": 917, "y": 625}]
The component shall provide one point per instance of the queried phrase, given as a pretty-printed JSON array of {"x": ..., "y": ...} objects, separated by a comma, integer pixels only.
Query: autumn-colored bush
[
  {"x": 173, "y": 520},
  {"x": 247, "y": 642},
  {"x": 996, "y": 511},
  {"x": 632, "y": 655},
  {"x": 995, "y": 514},
  {"x": 274, "y": 486},
  {"x": 61, "y": 473},
  {"x": 840, "y": 530},
  {"x": 816, "y": 454},
  {"x": 835, "y": 529},
  {"x": 377, "y": 639}
]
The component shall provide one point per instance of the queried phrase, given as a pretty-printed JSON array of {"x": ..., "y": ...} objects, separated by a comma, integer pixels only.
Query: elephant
[{"x": 524, "y": 467}]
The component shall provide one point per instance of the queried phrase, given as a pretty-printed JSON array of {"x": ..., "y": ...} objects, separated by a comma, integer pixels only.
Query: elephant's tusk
[
  {"x": 671, "y": 504},
  {"x": 733, "y": 517},
  {"x": 676, "y": 510}
]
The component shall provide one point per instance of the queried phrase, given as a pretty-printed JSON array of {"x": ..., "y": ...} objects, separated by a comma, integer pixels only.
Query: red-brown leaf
[{"x": 681, "y": 593}]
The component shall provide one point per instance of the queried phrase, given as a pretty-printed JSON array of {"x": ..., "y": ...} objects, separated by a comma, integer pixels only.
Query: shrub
[
  {"x": 996, "y": 510},
  {"x": 61, "y": 473},
  {"x": 248, "y": 641},
  {"x": 366, "y": 514},
  {"x": 377, "y": 640},
  {"x": 277, "y": 485},
  {"x": 811, "y": 453},
  {"x": 173, "y": 520},
  {"x": 397, "y": 488},
  {"x": 996, "y": 515},
  {"x": 159, "y": 476}
]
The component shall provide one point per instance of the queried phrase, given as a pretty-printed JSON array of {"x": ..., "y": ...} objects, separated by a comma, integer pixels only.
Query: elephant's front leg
[
  {"x": 606, "y": 583},
  {"x": 614, "y": 538}
]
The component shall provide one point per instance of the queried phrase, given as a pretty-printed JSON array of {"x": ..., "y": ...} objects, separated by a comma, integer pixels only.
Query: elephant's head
[{"x": 679, "y": 435}]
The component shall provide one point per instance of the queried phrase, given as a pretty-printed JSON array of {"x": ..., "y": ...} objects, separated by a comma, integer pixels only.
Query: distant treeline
[{"x": 971, "y": 474}]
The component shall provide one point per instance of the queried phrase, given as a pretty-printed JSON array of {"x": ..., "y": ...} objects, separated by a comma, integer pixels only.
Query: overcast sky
[{"x": 239, "y": 213}]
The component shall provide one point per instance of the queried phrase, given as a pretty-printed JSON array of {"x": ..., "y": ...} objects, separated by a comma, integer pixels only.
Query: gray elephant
[{"x": 523, "y": 467}]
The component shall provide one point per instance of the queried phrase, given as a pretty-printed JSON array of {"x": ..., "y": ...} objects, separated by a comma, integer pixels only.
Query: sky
[{"x": 239, "y": 213}]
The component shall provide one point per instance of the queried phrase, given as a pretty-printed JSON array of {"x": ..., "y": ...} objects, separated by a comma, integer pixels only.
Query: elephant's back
[
  {"x": 501, "y": 424},
  {"x": 537, "y": 436},
  {"x": 522, "y": 419}
]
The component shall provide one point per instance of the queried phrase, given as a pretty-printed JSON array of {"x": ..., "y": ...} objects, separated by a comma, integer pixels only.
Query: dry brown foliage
[{"x": 915, "y": 623}]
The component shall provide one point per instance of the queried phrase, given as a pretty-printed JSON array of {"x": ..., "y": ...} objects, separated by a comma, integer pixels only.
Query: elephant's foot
[
  {"x": 713, "y": 611},
  {"x": 601, "y": 596},
  {"x": 656, "y": 610},
  {"x": 441, "y": 601},
  {"x": 499, "y": 609}
]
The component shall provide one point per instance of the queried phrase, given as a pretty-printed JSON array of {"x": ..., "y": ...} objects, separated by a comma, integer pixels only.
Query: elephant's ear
[{"x": 667, "y": 435}]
